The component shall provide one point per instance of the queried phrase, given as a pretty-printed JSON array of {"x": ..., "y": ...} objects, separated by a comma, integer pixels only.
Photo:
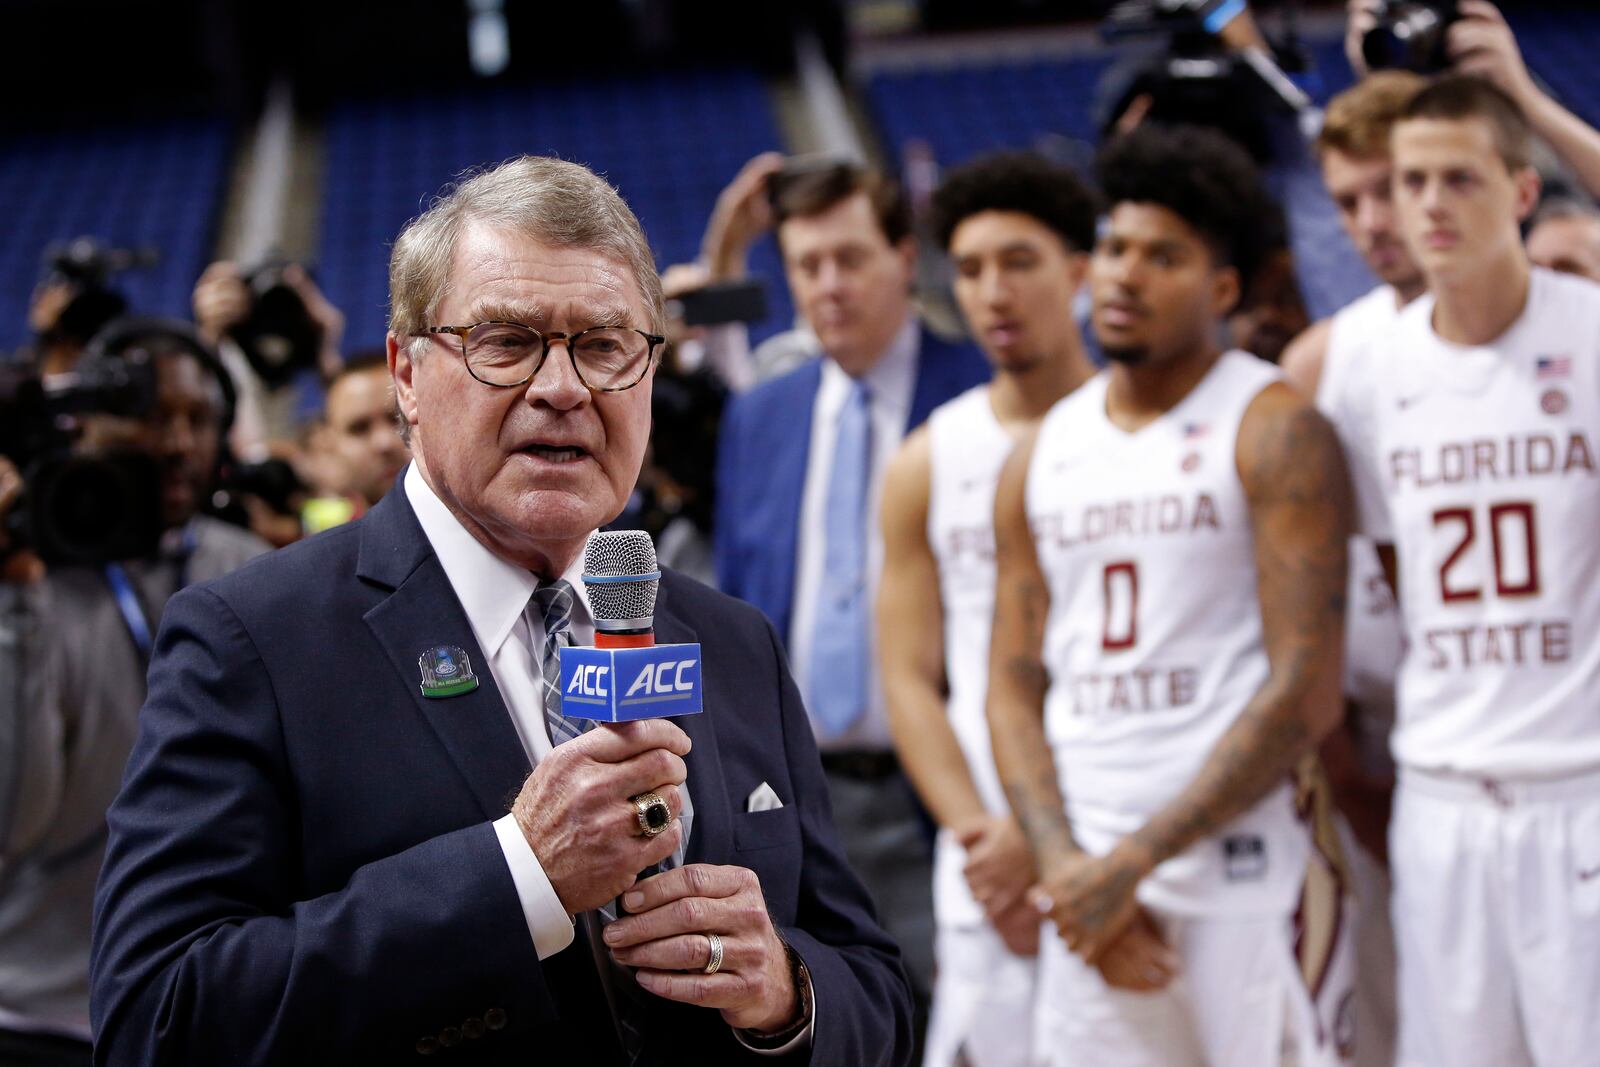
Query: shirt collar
[
  {"x": 493, "y": 592},
  {"x": 891, "y": 379}
]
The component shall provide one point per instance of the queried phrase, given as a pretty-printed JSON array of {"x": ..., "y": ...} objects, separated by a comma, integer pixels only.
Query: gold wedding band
[
  {"x": 715, "y": 964},
  {"x": 652, "y": 813}
]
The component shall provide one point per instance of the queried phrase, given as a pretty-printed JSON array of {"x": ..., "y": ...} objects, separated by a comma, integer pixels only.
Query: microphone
[
  {"x": 625, "y": 675},
  {"x": 619, "y": 571}
]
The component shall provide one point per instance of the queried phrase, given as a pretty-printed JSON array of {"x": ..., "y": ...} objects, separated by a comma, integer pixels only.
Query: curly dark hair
[
  {"x": 1024, "y": 182},
  {"x": 1202, "y": 177}
]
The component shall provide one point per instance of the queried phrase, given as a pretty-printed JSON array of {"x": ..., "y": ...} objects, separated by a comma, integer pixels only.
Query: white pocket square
[{"x": 763, "y": 799}]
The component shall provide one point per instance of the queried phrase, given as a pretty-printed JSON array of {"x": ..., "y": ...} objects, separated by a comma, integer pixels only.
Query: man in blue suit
[
  {"x": 321, "y": 853},
  {"x": 800, "y": 465}
]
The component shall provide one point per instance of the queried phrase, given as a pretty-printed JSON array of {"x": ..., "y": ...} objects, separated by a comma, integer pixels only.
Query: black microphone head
[{"x": 619, "y": 571}]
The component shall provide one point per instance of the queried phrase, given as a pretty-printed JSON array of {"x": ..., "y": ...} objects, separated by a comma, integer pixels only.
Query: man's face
[
  {"x": 1363, "y": 191},
  {"x": 531, "y": 470},
  {"x": 361, "y": 433},
  {"x": 1272, "y": 313},
  {"x": 1570, "y": 244},
  {"x": 1460, "y": 206},
  {"x": 1156, "y": 289},
  {"x": 1015, "y": 279},
  {"x": 186, "y": 435},
  {"x": 849, "y": 282}
]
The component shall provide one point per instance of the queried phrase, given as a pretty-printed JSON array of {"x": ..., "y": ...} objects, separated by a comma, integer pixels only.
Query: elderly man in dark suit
[{"x": 313, "y": 859}]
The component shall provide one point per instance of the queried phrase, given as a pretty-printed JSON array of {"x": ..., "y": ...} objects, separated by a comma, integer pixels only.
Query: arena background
[{"x": 199, "y": 130}]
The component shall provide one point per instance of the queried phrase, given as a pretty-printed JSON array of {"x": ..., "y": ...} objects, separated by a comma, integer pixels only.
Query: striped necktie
[{"x": 554, "y": 603}]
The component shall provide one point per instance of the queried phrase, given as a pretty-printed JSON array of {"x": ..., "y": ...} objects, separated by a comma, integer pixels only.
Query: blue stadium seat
[
  {"x": 156, "y": 184},
  {"x": 668, "y": 141}
]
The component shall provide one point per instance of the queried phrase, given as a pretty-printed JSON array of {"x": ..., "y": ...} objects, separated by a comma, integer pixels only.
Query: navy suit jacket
[
  {"x": 301, "y": 866},
  {"x": 761, "y": 469}
]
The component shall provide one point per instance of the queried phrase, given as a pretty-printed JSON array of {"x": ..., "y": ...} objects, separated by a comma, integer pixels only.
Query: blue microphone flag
[{"x": 623, "y": 684}]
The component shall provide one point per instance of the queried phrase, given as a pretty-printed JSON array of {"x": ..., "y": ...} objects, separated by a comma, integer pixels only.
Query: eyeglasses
[{"x": 607, "y": 359}]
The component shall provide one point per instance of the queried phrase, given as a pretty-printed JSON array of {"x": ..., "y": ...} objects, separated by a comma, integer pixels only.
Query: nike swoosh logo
[
  {"x": 1591, "y": 873},
  {"x": 1409, "y": 401}
]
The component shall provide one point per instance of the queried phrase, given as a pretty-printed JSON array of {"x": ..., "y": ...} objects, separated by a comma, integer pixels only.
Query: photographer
[
  {"x": 306, "y": 331},
  {"x": 75, "y": 298},
  {"x": 1478, "y": 41},
  {"x": 79, "y": 680}
]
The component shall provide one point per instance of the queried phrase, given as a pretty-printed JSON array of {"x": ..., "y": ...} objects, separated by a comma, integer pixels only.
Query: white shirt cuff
[
  {"x": 798, "y": 1041},
  {"x": 548, "y": 922}
]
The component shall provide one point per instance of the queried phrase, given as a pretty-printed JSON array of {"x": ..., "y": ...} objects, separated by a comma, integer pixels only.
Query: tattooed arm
[
  {"x": 1133, "y": 955},
  {"x": 1295, "y": 478},
  {"x": 1017, "y": 675},
  {"x": 1298, "y": 490}
]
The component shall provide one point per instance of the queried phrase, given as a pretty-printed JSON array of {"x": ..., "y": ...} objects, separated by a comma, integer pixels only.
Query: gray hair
[
  {"x": 550, "y": 200},
  {"x": 1563, "y": 207}
]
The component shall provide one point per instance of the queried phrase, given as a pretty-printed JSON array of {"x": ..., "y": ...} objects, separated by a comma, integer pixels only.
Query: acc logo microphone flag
[{"x": 622, "y": 684}]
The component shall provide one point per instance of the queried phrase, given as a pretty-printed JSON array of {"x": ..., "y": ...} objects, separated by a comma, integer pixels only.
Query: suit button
[
  {"x": 495, "y": 1018},
  {"x": 472, "y": 1029},
  {"x": 428, "y": 1046},
  {"x": 450, "y": 1037}
]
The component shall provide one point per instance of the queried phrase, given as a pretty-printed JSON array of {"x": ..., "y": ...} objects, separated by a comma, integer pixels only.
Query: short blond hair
[
  {"x": 550, "y": 200},
  {"x": 1358, "y": 121}
]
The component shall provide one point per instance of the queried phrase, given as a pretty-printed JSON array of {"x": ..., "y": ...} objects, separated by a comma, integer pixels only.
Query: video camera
[
  {"x": 85, "y": 266},
  {"x": 1410, "y": 35},
  {"x": 80, "y": 508},
  {"x": 1139, "y": 18},
  {"x": 1197, "y": 80},
  {"x": 278, "y": 336}
]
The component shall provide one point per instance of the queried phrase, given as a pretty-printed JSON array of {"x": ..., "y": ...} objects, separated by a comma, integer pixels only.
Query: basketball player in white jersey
[
  {"x": 1353, "y": 150},
  {"x": 1169, "y": 601},
  {"x": 1474, "y": 452},
  {"x": 1017, "y": 229}
]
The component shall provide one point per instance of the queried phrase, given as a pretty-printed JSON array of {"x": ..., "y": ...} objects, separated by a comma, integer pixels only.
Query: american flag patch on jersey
[{"x": 1553, "y": 366}]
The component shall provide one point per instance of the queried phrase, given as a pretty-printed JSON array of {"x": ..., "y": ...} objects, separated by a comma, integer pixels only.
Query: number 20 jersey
[
  {"x": 1153, "y": 641},
  {"x": 1480, "y": 465}
]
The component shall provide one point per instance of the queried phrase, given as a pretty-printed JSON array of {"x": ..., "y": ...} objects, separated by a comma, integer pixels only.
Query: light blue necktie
[{"x": 839, "y": 643}]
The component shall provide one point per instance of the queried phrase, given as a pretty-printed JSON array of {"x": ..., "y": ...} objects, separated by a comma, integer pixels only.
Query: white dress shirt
[
  {"x": 495, "y": 594},
  {"x": 891, "y": 382}
]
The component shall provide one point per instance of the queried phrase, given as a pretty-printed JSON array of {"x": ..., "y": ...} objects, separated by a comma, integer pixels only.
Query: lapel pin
[{"x": 446, "y": 672}]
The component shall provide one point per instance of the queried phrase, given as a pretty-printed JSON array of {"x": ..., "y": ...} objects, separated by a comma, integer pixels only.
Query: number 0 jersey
[
  {"x": 1479, "y": 463},
  {"x": 1154, "y": 637}
]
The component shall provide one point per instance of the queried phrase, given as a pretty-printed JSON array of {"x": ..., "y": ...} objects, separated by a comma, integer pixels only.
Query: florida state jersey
[
  {"x": 1154, "y": 635},
  {"x": 1481, "y": 464},
  {"x": 968, "y": 446}
]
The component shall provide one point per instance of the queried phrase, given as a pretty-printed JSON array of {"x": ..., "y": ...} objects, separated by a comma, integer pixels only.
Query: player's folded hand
[
  {"x": 1140, "y": 960},
  {"x": 1090, "y": 899},
  {"x": 999, "y": 868}
]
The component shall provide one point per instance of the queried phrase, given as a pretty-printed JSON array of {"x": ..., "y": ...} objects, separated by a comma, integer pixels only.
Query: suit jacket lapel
[
  {"x": 784, "y": 448},
  {"x": 711, "y": 839},
  {"x": 931, "y": 388},
  {"x": 422, "y": 613}
]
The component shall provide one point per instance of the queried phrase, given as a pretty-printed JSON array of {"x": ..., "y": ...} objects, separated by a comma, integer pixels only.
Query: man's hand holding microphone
[{"x": 698, "y": 933}]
